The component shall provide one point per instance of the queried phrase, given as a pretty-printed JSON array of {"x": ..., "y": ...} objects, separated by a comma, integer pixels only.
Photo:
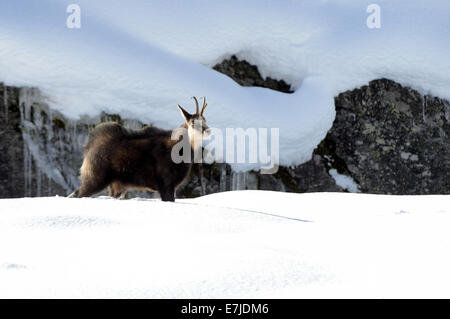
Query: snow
[
  {"x": 346, "y": 182},
  {"x": 228, "y": 245},
  {"x": 141, "y": 58}
]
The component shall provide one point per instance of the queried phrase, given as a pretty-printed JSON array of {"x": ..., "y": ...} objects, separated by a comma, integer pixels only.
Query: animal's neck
[
  {"x": 195, "y": 138},
  {"x": 184, "y": 134}
]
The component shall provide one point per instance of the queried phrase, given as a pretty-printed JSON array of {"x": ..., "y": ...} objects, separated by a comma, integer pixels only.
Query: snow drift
[{"x": 239, "y": 244}]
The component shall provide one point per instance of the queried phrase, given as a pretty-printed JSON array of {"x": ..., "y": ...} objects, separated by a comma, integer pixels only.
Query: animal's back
[
  {"x": 104, "y": 134},
  {"x": 109, "y": 135}
]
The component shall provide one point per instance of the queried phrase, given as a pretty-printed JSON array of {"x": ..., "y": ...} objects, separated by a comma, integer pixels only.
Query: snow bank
[
  {"x": 141, "y": 58},
  {"x": 235, "y": 244}
]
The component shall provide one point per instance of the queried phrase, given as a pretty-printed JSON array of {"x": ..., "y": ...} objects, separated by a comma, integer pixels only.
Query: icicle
[
  {"x": 38, "y": 181},
  {"x": 251, "y": 181},
  {"x": 238, "y": 180},
  {"x": 74, "y": 137},
  {"x": 233, "y": 181},
  {"x": 424, "y": 105},
  {"x": 223, "y": 177},
  {"x": 25, "y": 147},
  {"x": 49, "y": 180},
  {"x": 27, "y": 169},
  {"x": 30, "y": 172},
  {"x": 24, "y": 104},
  {"x": 60, "y": 141},
  {"x": 245, "y": 178},
  {"x": 5, "y": 101}
]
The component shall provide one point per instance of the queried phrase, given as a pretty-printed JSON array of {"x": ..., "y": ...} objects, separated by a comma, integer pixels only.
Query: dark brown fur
[{"x": 124, "y": 159}]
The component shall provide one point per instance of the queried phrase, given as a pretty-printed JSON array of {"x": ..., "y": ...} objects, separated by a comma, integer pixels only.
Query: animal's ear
[{"x": 185, "y": 114}]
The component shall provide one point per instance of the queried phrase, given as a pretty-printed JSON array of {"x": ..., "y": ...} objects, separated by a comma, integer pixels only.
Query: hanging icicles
[
  {"x": 239, "y": 180},
  {"x": 223, "y": 178},
  {"x": 5, "y": 103}
]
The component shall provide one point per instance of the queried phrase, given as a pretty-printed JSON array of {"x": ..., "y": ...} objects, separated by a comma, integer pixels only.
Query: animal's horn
[
  {"x": 204, "y": 105},
  {"x": 196, "y": 104}
]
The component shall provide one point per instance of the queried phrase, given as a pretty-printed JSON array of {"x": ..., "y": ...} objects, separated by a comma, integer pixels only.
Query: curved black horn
[
  {"x": 204, "y": 105},
  {"x": 196, "y": 105}
]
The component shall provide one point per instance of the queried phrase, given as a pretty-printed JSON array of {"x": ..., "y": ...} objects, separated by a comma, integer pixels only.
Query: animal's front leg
[{"x": 167, "y": 193}]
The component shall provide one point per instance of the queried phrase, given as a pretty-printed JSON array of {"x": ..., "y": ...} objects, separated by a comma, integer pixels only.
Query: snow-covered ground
[
  {"x": 234, "y": 244},
  {"x": 141, "y": 58}
]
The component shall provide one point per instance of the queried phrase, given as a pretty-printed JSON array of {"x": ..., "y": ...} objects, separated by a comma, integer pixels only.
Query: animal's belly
[{"x": 139, "y": 188}]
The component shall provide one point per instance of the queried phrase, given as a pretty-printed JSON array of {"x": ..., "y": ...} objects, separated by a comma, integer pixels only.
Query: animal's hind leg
[
  {"x": 91, "y": 187},
  {"x": 74, "y": 194},
  {"x": 168, "y": 196},
  {"x": 167, "y": 193},
  {"x": 94, "y": 177},
  {"x": 117, "y": 190}
]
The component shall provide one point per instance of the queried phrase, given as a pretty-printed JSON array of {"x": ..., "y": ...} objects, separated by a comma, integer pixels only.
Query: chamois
[{"x": 124, "y": 159}]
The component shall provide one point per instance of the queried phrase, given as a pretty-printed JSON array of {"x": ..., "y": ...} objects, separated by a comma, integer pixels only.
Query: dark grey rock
[
  {"x": 246, "y": 74},
  {"x": 20, "y": 172},
  {"x": 11, "y": 145},
  {"x": 388, "y": 138},
  {"x": 311, "y": 176},
  {"x": 392, "y": 139}
]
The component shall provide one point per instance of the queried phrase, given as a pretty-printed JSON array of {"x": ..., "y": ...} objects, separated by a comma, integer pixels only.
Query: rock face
[
  {"x": 32, "y": 152},
  {"x": 386, "y": 138},
  {"x": 392, "y": 140},
  {"x": 11, "y": 144},
  {"x": 41, "y": 151},
  {"x": 389, "y": 139}
]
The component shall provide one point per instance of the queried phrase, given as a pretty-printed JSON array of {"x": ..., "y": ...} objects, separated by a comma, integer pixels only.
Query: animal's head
[{"x": 196, "y": 123}]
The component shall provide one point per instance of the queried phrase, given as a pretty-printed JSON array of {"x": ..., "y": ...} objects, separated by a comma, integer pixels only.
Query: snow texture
[
  {"x": 238, "y": 244},
  {"x": 346, "y": 182},
  {"x": 141, "y": 58}
]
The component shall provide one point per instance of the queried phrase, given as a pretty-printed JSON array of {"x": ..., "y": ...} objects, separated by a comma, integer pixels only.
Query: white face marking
[{"x": 195, "y": 133}]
